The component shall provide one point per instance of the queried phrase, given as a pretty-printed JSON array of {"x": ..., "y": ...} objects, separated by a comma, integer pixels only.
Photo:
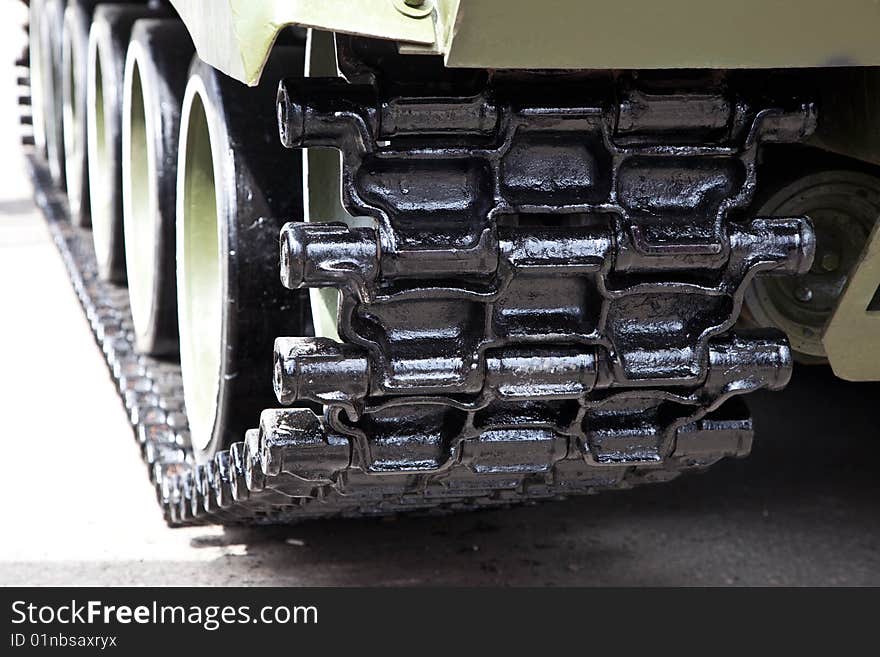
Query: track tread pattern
[{"x": 236, "y": 489}]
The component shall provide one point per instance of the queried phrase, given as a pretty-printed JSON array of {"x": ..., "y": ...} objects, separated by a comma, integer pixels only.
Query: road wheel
[
  {"x": 237, "y": 186},
  {"x": 74, "y": 75},
  {"x": 108, "y": 45},
  {"x": 51, "y": 31},
  {"x": 843, "y": 206},
  {"x": 156, "y": 73}
]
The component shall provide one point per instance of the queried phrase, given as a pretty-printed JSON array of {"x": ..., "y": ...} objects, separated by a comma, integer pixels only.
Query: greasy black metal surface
[
  {"x": 548, "y": 268},
  {"x": 253, "y": 481},
  {"x": 557, "y": 403}
]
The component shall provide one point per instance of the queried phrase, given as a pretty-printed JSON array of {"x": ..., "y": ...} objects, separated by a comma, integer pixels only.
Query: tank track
[
  {"x": 236, "y": 489},
  {"x": 465, "y": 377},
  {"x": 22, "y": 66}
]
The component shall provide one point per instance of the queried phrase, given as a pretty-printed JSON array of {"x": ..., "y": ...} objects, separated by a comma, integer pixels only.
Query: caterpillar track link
[
  {"x": 293, "y": 468},
  {"x": 536, "y": 294},
  {"x": 517, "y": 410},
  {"x": 547, "y": 286},
  {"x": 23, "y": 84}
]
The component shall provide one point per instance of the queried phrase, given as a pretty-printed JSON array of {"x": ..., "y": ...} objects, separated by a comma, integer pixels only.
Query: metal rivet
[
  {"x": 414, "y": 8},
  {"x": 830, "y": 261},
  {"x": 803, "y": 294}
]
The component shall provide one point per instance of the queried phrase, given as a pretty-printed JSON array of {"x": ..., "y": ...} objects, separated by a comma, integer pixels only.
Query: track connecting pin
[
  {"x": 787, "y": 243},
  {"x": 326, "y": 112},
  {"x": 746, "y": 357},
  {"x": 295, "y": 441},
  {"x": 328, "y": 255},
  {"x": 541, "y": 372},
  {"x": 321, "y": 370}
]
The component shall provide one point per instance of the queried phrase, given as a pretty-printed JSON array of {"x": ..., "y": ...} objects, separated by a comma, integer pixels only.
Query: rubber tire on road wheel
[
  {"x": 51, "y": 30},
  {"x": 75, "y": 68},
  {"x": 108, "y": 45},
  {"x": 36, "y": 57},
  {"x": 156, "y": 73},
  {"x": 231, "y": 304}
]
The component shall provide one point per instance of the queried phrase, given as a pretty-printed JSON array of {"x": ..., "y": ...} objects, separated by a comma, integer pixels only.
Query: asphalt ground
[{"x": 77, "y": 507}]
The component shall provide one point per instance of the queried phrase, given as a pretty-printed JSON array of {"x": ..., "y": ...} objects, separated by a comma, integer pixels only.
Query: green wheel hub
[{"x": 843, "y": 207}]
